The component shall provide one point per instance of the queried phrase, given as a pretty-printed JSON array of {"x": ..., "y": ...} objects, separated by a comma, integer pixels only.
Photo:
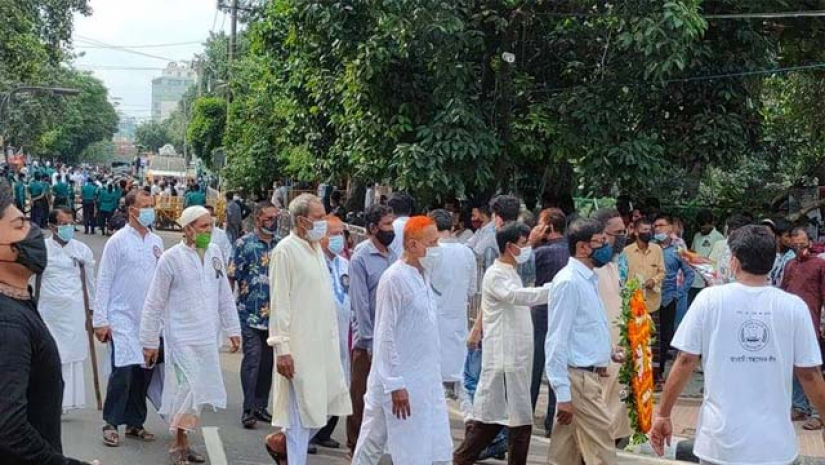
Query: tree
[
  {"x": 152, "y": 135},
  {"x": 206, "y": 128}
]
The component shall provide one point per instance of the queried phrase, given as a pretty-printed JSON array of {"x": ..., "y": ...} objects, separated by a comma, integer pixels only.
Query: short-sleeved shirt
[
  {"x": 750, "y": 339},
  {"x": 88, "y": 192},
  {"x": 20, "y": 191},
  {"x": 61, "y": 190},
  {"x": 195, "y": 198},
  {"x": 36, "y": 188},
  {"x": 249, "y": 268}
]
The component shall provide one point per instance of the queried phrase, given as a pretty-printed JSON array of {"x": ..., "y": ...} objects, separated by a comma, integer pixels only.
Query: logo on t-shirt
[{"x": 754, "y": 335}]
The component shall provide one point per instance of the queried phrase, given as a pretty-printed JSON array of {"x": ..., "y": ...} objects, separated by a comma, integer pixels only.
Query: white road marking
[{"x": 214, "y": 446}]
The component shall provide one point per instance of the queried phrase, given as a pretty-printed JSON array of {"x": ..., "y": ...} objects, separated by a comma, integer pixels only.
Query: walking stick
[{"x": 90, "y": 333}]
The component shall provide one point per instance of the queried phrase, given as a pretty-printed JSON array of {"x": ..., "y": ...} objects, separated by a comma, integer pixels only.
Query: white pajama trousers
[{"x": 297, "y": 437}]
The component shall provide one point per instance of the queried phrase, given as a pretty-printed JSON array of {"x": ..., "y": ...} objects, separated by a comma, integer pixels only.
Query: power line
[
  {"x": 123, "y": 49},
  {"x": 119, "y": 68},
  {"x": 174, "y": 44}
]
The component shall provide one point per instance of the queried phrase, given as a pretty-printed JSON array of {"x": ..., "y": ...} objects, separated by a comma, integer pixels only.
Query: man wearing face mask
[
  {"x": 126, "y": 268},
  {"x": 578, "y": 351},
  {"x": 62, "y": 305},
  {"x": 248, "y": 271},
  {"x": 191, "y": 301},
  {"x": 646, "y": 262},
  {"x": 236, "y": 212},
  {"x": 369, "y": 262},
  {"x": 503, "y": 395},
  {"x": 405, "y": 408},
  {"x": 31, "y": 383},
  {"x": 672, "y": 292},
  {"x": 805, "y": 277},
  {"x": 338, "y": 267},
  {"x": 610, "y": 292},
  {"x": 784, "y": 252},
  {"x": 703, "y": 243},
  {"x": 303, "y": 331}
]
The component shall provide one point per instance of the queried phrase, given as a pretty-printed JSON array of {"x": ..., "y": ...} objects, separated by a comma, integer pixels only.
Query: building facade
[{"x": 168, "y": 89}]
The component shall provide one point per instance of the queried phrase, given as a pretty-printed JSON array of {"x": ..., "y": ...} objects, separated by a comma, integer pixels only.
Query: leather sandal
[
  {"x": 110, "y": 436},
  {"x": 279, "y": 442},
  {"x": 139, "y": 433}
]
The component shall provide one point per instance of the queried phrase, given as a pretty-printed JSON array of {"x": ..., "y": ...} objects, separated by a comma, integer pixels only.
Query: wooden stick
[{"x": 90, "y": 332}]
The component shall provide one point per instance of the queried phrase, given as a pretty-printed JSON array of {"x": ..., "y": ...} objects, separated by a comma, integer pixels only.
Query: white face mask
[
  {"x": 318, "y": 231},
  {"x": 430, "y": 261},
  {"x": 524, "y": 255}
]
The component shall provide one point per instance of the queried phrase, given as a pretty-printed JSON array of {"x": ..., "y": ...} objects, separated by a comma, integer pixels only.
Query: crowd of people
[{"x": 376, "y": 333}]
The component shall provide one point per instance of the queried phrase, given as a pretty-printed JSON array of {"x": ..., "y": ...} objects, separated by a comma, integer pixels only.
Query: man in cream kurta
[
  {"x": 303, "y": 328},
  {"x": 62, "y": 305},
  {"x": 610, "y": 293},
  {"x": 405, "y": 409},
  {"x": 503, "y": 394},
  {"x": 191, "y": 301}
]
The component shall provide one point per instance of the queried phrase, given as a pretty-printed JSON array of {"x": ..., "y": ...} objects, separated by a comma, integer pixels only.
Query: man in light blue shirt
[{"x": 578, "y": 351}]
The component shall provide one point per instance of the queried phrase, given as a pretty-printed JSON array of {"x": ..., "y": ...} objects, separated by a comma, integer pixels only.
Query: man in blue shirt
[
  {"x": 578, "y": 351},
  {"x": 249, "y": 271},
  {"x": 673, "y": 290}
]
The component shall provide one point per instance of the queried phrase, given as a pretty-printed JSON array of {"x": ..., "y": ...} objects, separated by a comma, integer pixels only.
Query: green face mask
[{"x": 202, "y": 240}]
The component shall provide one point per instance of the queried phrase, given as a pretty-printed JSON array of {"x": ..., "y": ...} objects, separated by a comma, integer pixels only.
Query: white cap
[{"x": 191, "y": 214}]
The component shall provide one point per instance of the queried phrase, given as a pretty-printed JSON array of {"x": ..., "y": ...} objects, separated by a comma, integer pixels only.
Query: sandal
[
  {"x": 179, "y": 457},
  {"x": 139, "y": 433},
  {"x": 110, "y": 436},
  {"x": 194, "y": 457},
  {"x": 798, "y": 415},
  {"x": 813, "y": 424},
  {"x": 279, "y": 441}
]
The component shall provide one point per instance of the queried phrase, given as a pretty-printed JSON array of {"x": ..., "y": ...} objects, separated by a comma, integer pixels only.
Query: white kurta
[
  {"x": 63, "y": 309},
  {"x": 191, "y": 301},
  {"x": 221, "y": 239},
  {"x": 407, "y": 356},
  {"x": 303, "y": 323},
  {"x": 339, "y": 272},
  {"x": 503, "y": 395},
  {"x": 125, "y": 273},
  {"x": 454, "y": 281}
]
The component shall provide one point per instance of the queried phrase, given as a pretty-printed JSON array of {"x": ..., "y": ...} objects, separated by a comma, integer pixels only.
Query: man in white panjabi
[
  {"x": 190, "y": 301},
  {"x": 124, "y": 275},
  {"x": 219, "y": 236},
  {"x": 338, "y": 266},
  {"x": 610, "y": 294},
  {"x": 405, "y": 409},
  {"x": 503, "y": 394},
  {"x": 62, "y": 306},
  {"x": 303, "y": 330},
  {"x": 454, "y": 281}
]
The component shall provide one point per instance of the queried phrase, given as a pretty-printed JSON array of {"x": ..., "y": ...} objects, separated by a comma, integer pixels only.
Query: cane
[{"x": 90, "y": 333}]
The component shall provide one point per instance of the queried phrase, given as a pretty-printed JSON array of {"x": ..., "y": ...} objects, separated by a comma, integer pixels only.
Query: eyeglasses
[{"x": 623, "y": 232}]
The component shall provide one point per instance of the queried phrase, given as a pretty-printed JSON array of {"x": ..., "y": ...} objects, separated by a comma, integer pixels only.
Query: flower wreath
[{"x": 636, "y": 373}]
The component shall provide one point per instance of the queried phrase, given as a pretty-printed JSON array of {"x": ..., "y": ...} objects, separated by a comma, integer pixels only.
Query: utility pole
[{"x": 233, "y": 36}]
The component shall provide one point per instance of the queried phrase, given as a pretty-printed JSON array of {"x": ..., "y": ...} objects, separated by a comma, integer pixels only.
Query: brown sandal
[
  {"x": 278, "y": 443},
  {"x": 813, "y": 424},
  {"x": 140, "y": 434},
  {"x": 179, "y": 457},
  {"x": 110, "y": 436}
]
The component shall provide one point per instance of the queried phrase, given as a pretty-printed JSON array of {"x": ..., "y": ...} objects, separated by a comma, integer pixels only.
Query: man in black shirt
[{"x": 31, "y": 384}]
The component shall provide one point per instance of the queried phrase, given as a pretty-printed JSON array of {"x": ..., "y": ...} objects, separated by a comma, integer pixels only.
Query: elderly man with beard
[{"x": 191, "y": 302}]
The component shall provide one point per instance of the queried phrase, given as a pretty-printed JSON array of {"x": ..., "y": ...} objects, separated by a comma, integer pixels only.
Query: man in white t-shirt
[{"x": 752, "y": 338}]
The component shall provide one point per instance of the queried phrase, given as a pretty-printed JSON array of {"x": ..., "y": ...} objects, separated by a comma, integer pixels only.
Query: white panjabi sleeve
[
  {"x": 389, "y": 301},
  {"x": 156, "y": 300},
  {"x": 105, "y": 280}
]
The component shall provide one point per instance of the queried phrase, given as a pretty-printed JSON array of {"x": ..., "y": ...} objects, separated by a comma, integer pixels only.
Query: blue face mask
[
  {"x": 336, "y": 244},
  {"x": 660, "y": 237},
  {"x": 146, "y": 217},
  {"x": 602, "y": 255},
  {"x": 65, "y": 232}
]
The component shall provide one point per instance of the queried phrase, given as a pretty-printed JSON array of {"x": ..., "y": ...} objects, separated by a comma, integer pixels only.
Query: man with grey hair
[{"x": 303, "y": 330}]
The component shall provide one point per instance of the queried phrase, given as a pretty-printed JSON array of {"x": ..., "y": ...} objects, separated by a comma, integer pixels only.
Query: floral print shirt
[{"x": 249, "y": 268}]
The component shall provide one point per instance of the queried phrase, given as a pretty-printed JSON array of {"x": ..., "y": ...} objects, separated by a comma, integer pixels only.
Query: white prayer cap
[{"x": 191, "y": 214}]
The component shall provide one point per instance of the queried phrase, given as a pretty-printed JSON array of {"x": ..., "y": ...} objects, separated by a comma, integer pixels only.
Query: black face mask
[
  {"x": 385, "y": 237},
  {"x": 645, "y": 237},
  {"x": 618, "y": 246},
  {"x": 31, "y": 251}
]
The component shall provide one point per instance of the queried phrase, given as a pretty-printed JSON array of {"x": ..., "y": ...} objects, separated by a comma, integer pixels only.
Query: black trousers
[
  {"x": 664, "y": 333},
  {"x": 40, "y": 213},
  {"x": 256, "y": 368},
  {"x": 480, "y": 435},
  {"x": 103, "y": 220},
  {"x": 539, "y": 315},
  {"x": 89, "y": 217},
  {"x": 126, "y": 394},
  {"x": 325, "y": 433}
]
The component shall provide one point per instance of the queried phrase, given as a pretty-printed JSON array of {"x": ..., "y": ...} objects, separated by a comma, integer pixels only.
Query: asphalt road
[{"x": 222, "y": 438}]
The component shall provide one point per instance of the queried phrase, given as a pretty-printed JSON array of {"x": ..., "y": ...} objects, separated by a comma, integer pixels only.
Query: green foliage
[
  {"x": 99, "y": 152},
  {"x": 206, "y": 127},
  {"x": 153, "y": 135}
]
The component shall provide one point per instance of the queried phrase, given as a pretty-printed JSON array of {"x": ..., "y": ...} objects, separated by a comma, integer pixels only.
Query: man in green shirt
[
  {"x": 39, "y": 192},
  {"x": 194, "y": 197},
  {"x": 20, "y": 188},
  {"x": 108, "y": 201},
  {"x": 61, "y": 192},
  {"x": 88, "y": 196}
]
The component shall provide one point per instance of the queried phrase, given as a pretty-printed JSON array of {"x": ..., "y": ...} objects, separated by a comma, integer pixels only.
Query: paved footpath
[{"x": 222, "y": 437}]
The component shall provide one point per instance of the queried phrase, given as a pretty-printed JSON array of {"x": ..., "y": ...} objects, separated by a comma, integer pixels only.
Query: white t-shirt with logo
[{"x": 750, "y": 339}]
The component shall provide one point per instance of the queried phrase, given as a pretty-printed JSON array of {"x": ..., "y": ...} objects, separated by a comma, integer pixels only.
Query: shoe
[
  {"x": 312, "y": 450},
  {"x": 262, "y": 415},
  {"x": 195, "y": 457},
  {"x": 248, "y": 419},
  {"x": 329, "y": 443}
]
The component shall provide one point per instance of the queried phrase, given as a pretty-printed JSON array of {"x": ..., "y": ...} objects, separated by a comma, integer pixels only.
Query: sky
[{"x": 132, "y": 23}]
